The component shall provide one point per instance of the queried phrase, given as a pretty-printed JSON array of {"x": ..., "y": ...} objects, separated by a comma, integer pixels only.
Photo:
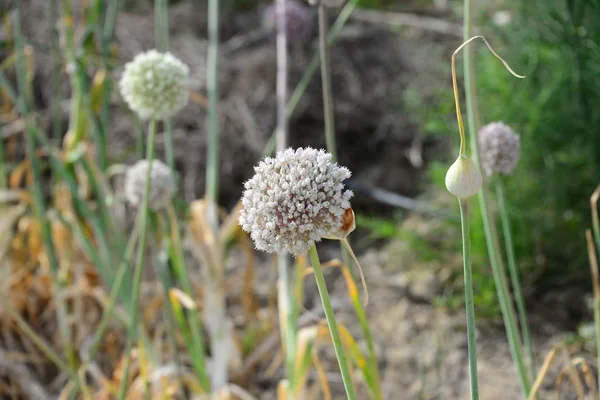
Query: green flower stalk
[
  {"x": 154, "y": 85},
  {"x": 293, "y": 201},
  {"x": 279, "y": 14},
  {"x": 499, "y": 150},
  {"x": 463, "y": 180},
  {"x": 491, "y": 238}
]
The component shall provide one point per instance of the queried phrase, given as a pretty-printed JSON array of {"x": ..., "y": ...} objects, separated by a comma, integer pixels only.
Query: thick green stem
[
  {"x": 331, "y": 322},
  {"x": 514, "y": 274},
  {"x": 491, "y": 235},
  {"x": 139, "y": 266},
  {"x": 469, "y": 303}
]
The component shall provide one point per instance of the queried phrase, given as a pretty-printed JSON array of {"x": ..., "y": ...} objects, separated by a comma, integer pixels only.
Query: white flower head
[
  {"x": 293, "y": 200},
  {"x": 500, "y": 148},
  {"x": 155, "y": 85},
  {"x": 162, "y": 184}
]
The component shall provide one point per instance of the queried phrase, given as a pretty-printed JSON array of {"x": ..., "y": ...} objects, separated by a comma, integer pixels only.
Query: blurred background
[{"x": 396, "y": 131}]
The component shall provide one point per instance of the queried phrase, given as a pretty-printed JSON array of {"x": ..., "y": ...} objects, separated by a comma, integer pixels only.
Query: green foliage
[{"x": 556, "y": 44}]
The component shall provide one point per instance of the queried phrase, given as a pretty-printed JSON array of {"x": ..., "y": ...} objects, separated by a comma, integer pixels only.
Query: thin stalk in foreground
[
  {"x": 491, "y": 235},
  {"x": 285, "y": 302},
  {"x": 139, "y": 266},
  {"x": 212, "y": 88},
  {"x": 593, "y": 257},
  {"x": 331, "y": 322},
  {"x": 514, "y": 274},
  {"x": 326, "y": 83},
  {"x": 469, "y": 303}
]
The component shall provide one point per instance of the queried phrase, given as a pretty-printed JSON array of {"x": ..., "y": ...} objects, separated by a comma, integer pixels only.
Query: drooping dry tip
[
  {"x": 455, "y": 85},
  {"x": 489, "y": 46},
  {"x": 363, "y": 281}
]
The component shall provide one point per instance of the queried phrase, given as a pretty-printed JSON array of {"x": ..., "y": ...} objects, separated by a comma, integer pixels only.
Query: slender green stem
[
  {"x": 139, "y": 266},
  {"x": 161, "y": 24},
  {"x": 469, "y": 303},
  {"x": 107, "y": 34},
  {"x": 212, "y": 88},
  {"x": 115, "y": 290},
  {"x": 196, "y": 343},
  {"x": 77, "y": 119},
  {"x": 285, "y": 300},
  {"x": 330, "y": 142},
  {"x": 326, "y": 82},
  {"x": 56, "y": 66},
  {"x": 166, "y": 280},
  {"x": 331, "y": 322},
  {"x": 140, "y": 139},
  {"x": 39, "y": 206},
  {"x": 593, "y": 255},
  {"x": 514, "y": 274},
  {"x": 491, "y": 235}
]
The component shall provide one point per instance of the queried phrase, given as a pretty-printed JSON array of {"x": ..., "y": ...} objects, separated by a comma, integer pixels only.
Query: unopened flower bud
[
  {"x": 499, "y": 147},
  {"x": 162, "y": 184},
  {"x": 463, "y": 178},
  {"x": 154, "y": 85}
]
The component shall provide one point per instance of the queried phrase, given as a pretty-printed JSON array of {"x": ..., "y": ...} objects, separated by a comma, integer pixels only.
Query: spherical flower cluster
[
  {"x": 298, "y": 22},
  {"x": 295, "y": 199},
  {"x": 162, "y": 184},
  {"x": 500, "y": 148},
  {"x": 155, "y": 85}
]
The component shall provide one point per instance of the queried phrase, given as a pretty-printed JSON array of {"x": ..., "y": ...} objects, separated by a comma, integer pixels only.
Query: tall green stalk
[
  {"x": 331, "y": 322},
  {"x": 212, "y": 88},
  {"x": 326, "y": 83},
  {"x": 77, "y": 118},
  {"x": 132, "y": 331},
  {"x": 491, "y": 235},
  {"x": 514, "y": 274},
  {"x": 593, "y": 256},
  {"x": 285, "y": 300},
  {"x": 195, "y": 344},
  {"x": 161, "y": 25},
  {"x": 469, "y": 303},
  {"x": 107, "y": 33}
]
